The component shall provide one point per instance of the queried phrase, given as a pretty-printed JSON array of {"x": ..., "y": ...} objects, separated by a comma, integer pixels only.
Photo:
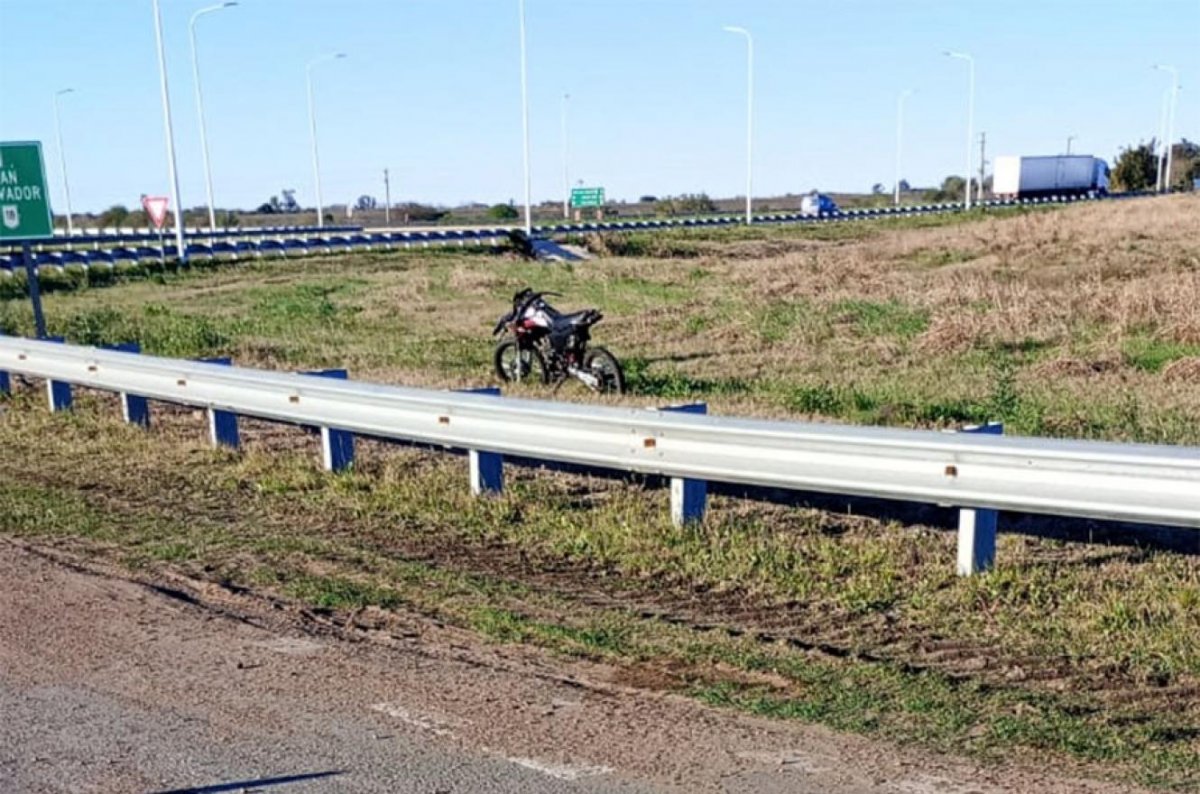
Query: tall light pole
[
  {"x": 212, "y": 215},
  {"x": 566, "y": 161},
  {"x": 905, "y": 94},
  {"x": 181, "y": 249},
  {"x": 312, "y": 124},
  {"x": 749, "y": 117},
  {"x": 1069, "y": 139},
  {"x": 525, "y": 122},
  {"x": 970, "y": 116},
  {"x": 1162, "y": 134},
  {"x": 1171, "y": 119},
  {"x": 387, "y": 199},
  {"x": 62, "y": 158}
]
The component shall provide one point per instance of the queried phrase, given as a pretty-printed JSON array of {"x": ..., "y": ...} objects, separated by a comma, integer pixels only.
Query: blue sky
[{"x": 430, "y": 89}]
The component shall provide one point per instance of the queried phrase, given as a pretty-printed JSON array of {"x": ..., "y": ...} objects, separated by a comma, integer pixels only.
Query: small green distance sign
[
  {"x": 587, "y": 197},
  {"x": 24, "y": 205}
]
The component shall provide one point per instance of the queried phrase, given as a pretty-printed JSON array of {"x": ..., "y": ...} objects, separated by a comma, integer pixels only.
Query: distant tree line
[
  {"x": 685, "y": 204},
  {"x": 1136, "y": 167},
  {"x": 118, "y": 216}
]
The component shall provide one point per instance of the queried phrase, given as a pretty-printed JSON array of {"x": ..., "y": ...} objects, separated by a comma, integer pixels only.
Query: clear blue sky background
[{"x": 431, "y": 90}]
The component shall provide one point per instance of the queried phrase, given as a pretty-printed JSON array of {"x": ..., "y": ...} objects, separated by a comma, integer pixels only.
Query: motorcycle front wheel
[
  {"x": 604, "y": 365},
  {"x": 515, "y": 364}
]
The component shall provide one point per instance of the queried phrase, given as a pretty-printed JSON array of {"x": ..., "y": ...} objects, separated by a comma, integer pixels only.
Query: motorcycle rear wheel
[
  {"x": 515, "y": 364},
  {"x": 605, "y": 366}
]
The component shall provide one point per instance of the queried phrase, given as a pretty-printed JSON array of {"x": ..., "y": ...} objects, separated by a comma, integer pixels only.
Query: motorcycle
[{"x": 546, "y": 346}]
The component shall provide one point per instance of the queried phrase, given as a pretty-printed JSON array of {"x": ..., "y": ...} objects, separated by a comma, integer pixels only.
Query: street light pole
[
  {"x": 181, "y": 249},
  {"x": 525, "y": 122},
  {"x": 1069, "y": 139},
  {"x": 905, "y": 94},
  {"x": 970, "y": 116},
  {"x": 749, "y": 117},
  {"x": 312, "y": 124},
  {"x": 62, "y": 159},
  {"x": 212, "y": 215},
  {"x": 566, "y": 161},
  {"x": 387, "y": 199},
  {"x": 1171, "y": 120},
  {"x": 1162, "y": 134}
]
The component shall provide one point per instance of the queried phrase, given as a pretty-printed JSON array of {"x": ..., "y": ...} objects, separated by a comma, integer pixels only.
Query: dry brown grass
[
  {"x": 1121, "y": 266},
  {"x": 1186, "y": 370}
]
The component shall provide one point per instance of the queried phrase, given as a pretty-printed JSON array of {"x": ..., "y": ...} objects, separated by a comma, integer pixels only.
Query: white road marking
[
  {"x": 561, "y": 771},
  {"x": 293, "y": 646},
  {"x": 443, "y": 726},
  {"x": 792, "y": 759},
  {"x": 932, "y": 784},
  {"x": 438, "y": 726}
]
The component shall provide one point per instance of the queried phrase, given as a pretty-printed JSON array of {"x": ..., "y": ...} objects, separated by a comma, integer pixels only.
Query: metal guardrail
[
  {"x": 237, "y": 246},
  {"x": 99, "y": 236},
  {"x": 300, "y": 241},
  {"x": 1125, "y": 482}
]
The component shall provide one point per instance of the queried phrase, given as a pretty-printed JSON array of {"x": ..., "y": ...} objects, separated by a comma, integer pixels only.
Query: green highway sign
[
  {"x": 24, "y": 205},
  {"x": 587, "y": 197}
]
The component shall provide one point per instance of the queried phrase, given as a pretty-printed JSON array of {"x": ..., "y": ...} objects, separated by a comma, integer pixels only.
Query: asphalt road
[{"x": 108, "y": 685}]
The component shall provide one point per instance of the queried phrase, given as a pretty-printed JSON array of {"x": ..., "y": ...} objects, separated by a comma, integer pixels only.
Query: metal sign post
[
  {"x": 35, "y": 292},
  {"x": 25, "y": 211}
]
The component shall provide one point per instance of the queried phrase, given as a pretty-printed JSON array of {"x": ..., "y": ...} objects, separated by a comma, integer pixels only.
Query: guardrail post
[
  {"x": 486, "y": 468},
  {"x": 58, "y": 391},
  {"x": 5, "y": 382},
  {"x": 689, "y": 498},
  {"x": 222, "y": 425},
  {"x": 977, "y": 527},
  {"x": 134, "y": 409},
  {"x": 337, "y": 446}
]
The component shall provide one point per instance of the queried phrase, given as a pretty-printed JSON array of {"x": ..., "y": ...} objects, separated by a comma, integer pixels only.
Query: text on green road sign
[
  {"x": 11, "y": 188},
  {"x": 24, "y": 205},
  {"x": 587, "y": 197}
]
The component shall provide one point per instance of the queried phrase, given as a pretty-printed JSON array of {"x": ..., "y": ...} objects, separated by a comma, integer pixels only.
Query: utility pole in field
[
  {"x": 982, "y": 161},
  {"x": 387, "y": 200}
]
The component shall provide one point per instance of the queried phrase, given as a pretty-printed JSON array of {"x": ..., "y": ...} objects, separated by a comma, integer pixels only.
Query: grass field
[{"x": 1078, "y": 322}]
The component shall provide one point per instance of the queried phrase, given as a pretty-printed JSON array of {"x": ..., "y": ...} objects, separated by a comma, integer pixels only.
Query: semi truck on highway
[
  {"x": 816, "y": 203},
  {"x": 1054, "y": 175}
]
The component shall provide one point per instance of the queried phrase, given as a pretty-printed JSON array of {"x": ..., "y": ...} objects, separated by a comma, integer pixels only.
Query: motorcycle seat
[{"x": 574, "y": 319}]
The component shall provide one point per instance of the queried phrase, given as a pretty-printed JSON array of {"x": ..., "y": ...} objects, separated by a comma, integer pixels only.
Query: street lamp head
[
  {"x": 736, "y": 29},
  {"x": 64, "y": 91},
  {"x": 331, "y": 56},
  {"x": 956, "y": 54},
  {"x": 208, "y": 10},
  {"x": 1169, "y": 69}
]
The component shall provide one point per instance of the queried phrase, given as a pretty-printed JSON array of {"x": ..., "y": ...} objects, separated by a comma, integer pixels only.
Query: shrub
[{"x": 502, "y": 212}]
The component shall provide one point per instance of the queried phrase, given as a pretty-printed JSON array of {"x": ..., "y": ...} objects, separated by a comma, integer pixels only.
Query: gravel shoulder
[{"x": 165, "y": 683}]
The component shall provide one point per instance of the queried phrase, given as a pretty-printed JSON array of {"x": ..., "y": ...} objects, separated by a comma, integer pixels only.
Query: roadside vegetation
[{"x": 1080, "y": 322}]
